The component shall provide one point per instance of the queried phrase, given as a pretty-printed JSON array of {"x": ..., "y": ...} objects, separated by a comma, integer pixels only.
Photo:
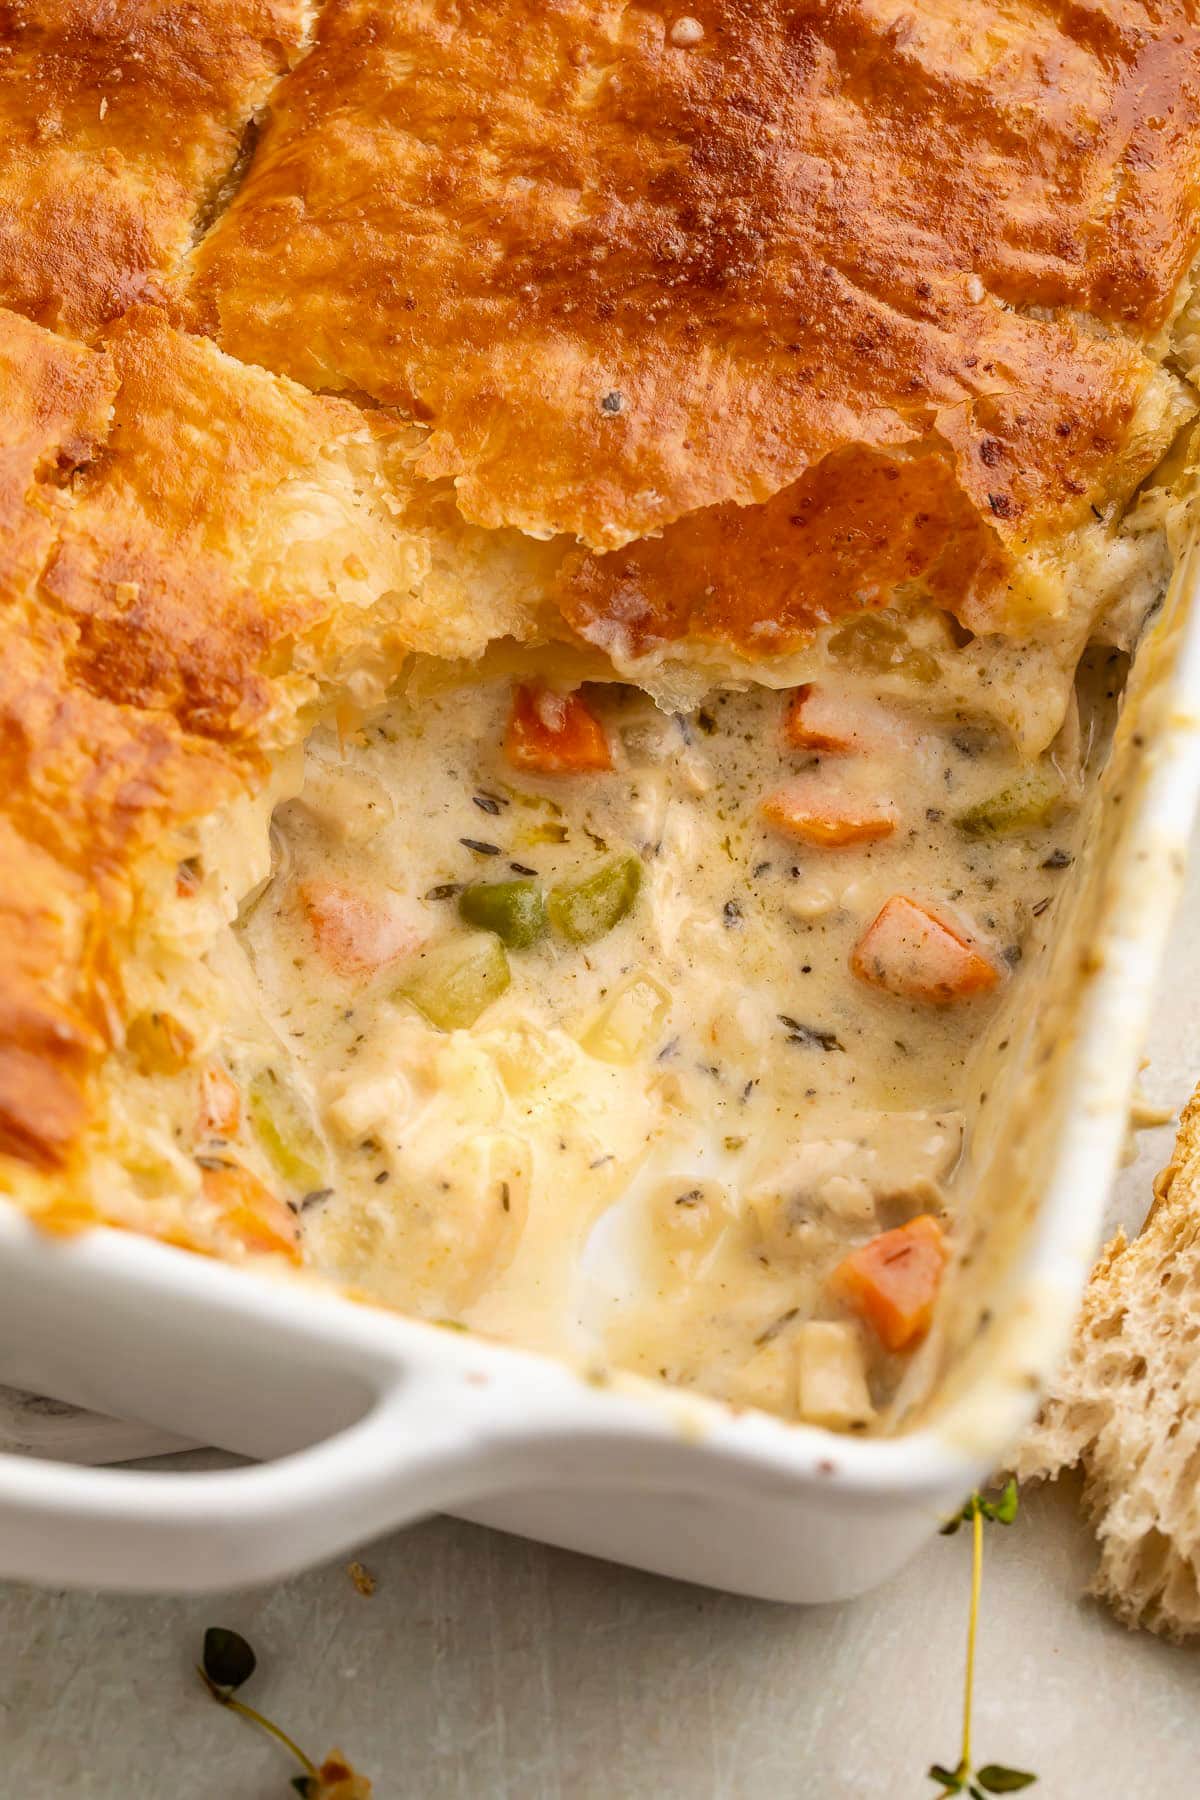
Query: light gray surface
[{"x": 484, "y": 1666}]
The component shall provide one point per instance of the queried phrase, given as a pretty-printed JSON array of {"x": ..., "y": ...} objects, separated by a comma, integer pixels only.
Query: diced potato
[
  {"x": 809, "y": 900},
  {"x": 350, "y": 804},
  {"x": 372, "y": 1104},
  {"x": 768, "y": 1378},
  {"x": 629, "y": 1020},
  {"x": 831, "y": 1377},
  {"x": 788, "y": 1225},
  {"x": 688, "y": 1216},
  {"x": 526, "y": 1057},
  {"x": 454, "y": 981},
  {"x": 490, "y": 1185}
]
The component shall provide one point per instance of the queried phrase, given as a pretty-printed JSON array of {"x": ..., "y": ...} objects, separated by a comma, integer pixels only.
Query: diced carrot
[
  {"x": 815, "y": 720},
  {"x": 251, "y": 1211},
  {"x": 554, "y": 734},
  {"x": 815, "y": 814},
  {"x": 910, "y": 952},
  {"x": 220, "y": 1103},
  {"x": 354, "y": 935},
  {"x": 892, "y": 1281}
]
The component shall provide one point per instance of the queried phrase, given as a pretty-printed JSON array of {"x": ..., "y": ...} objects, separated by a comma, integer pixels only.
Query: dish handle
[{"x": 420, "y": 1448}]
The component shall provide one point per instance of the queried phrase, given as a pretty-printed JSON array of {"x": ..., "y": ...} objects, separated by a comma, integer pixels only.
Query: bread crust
[{"x": 1126, "y": 1406}]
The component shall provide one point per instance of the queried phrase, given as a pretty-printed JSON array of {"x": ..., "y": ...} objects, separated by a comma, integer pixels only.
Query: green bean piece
[
  {"x": 584, "y": 910},
  {"x": 514, "y": 910},
  {"x": 1026, "y": 804},
  {"x": 289, "y": 1139},
  {"x": 453, "y": 981}
]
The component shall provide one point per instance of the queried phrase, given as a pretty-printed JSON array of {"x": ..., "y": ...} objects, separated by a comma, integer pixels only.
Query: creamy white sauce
[{"x": 655, "y": 1147}]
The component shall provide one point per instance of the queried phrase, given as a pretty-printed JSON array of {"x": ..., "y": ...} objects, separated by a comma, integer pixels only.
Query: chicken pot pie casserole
[{"x": 567, "y": 572}]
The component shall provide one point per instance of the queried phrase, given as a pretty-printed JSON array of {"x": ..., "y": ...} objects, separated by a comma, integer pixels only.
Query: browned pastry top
[
  {"x": 119, "y": 122},
  {"x": 626, "y": 272}
]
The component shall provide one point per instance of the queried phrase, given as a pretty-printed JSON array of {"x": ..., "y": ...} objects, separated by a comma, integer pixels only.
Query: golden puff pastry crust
[
  {"x": 626, "y": 272},
  {"x": 222, "y": 547},
  {"x": 120, "y": 126}
]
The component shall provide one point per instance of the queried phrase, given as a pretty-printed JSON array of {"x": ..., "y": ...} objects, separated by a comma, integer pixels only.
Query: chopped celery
[
  {"x": 454, "y": 981},
  {"x": 289, "y": 1139},
  {"x": 514, "y": 910},
  {"x": 582, "y": 911},
  {"x": 1025, "y": 804},
  {"x": 878, "y": 642},
  {"x": 627, "y": 1021}
]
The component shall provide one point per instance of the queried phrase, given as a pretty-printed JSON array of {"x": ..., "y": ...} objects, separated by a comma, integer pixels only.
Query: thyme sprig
[
  {"x": 227, "y": 1664},
  {"x": 992, "y": 1778}
]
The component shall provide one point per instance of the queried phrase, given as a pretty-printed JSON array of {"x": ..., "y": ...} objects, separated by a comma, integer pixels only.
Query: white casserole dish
[{"x": 374, "y": 1420}]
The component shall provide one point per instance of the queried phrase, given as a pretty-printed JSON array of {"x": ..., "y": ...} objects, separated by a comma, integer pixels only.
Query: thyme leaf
[
  {"x": 809, "y": 1036},
  {"x": 228, "y": 1660},
  {"x": 999, "y": 1780}
]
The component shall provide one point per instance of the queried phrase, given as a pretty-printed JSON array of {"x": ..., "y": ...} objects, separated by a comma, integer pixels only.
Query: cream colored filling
[{"x": 652, "y": 1149}]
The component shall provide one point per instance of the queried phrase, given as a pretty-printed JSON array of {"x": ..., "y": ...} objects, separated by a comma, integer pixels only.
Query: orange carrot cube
[
  {"x": 816, "y": 814},
  {"x": 353, "y": 934},
  {"x": 251, "y": 1211},
  {"x": 220, "y": 1103},
  {"x": 554, "y": 734},
  {"x": 892, "y": 1282},
  {"x": 910, "y": 952}
]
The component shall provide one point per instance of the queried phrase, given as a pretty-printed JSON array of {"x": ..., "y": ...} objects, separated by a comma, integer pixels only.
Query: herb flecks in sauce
[{"x": 626, "y": 1005}]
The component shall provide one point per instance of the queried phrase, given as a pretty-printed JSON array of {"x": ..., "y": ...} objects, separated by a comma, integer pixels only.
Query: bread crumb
[
  {"x": 336, "y": 1780},
  {"x": 363, "y": 1580},
  {"x": 1144, "y": 1113}
]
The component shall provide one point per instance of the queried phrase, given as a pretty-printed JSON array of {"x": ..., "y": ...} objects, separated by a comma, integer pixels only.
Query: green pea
[
  {"x": 454, "y": 981},
  {"x": 514, "y": 910},
  {"x": 584, "y": 910}
]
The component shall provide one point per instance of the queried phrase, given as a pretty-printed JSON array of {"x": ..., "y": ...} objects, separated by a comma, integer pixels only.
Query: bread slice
[{"x": 1127, "y": 1407}]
